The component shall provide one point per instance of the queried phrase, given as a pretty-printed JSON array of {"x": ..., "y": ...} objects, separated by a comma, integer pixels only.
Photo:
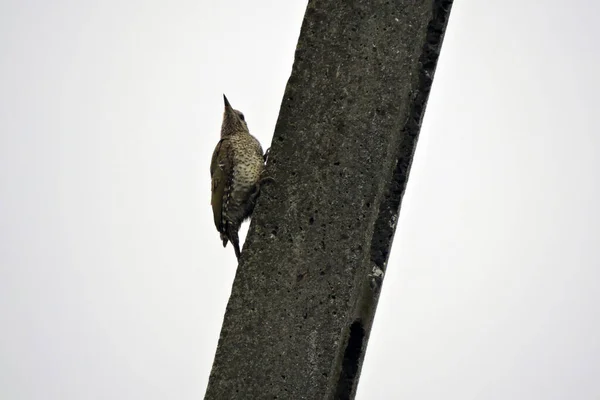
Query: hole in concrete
[{"x": 352, "y": 356}]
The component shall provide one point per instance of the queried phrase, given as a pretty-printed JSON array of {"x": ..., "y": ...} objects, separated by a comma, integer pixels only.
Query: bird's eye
[{"x": 241, "y": 116}]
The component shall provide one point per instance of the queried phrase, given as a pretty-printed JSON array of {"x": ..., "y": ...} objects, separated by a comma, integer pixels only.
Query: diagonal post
[{"x": 306, "y": 289}]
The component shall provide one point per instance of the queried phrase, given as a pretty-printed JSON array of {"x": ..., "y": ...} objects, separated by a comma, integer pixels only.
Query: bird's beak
[{"x": 227, "y": 105}]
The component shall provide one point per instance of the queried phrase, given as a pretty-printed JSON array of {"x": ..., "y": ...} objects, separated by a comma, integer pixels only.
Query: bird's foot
[{"x": 266, "y": 179}]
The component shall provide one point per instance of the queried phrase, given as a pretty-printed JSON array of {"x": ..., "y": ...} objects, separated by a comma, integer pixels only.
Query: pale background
[{"x": 113, "y": 281}]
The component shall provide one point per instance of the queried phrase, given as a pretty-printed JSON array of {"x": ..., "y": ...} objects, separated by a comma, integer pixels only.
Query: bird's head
[{"x": 233, "y": 121}]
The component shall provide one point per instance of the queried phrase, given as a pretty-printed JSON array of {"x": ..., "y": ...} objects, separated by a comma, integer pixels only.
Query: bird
[{"x": 236, "y": 171}]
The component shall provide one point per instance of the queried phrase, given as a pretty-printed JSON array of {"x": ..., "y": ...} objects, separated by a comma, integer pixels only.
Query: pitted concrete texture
[{"x": 306, "y": 289}]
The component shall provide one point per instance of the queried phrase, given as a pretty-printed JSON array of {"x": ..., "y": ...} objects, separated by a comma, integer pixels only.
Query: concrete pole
[{"x": 306, "y": 289}]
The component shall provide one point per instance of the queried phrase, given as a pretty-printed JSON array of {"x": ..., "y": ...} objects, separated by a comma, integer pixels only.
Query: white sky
[{"x": 113, "y": 281}]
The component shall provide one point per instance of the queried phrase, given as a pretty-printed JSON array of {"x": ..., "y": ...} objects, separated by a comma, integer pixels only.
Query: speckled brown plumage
[{"x": 236, "y": 168}]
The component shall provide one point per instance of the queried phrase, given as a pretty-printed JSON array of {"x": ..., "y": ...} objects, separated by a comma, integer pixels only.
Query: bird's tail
[
  {"x": 224, "y": 239},
  {"x": 232, "y": 236}
]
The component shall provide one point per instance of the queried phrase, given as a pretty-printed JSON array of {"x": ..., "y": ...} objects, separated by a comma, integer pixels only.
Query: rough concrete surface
[{"x": 303, "y": 299}]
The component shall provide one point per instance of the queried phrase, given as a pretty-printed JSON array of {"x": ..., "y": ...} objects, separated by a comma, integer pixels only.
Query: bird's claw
[{"x": 267, "y": 179}]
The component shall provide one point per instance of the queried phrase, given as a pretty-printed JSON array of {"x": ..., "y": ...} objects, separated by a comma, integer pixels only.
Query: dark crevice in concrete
[{"x": 352, "y": 357}]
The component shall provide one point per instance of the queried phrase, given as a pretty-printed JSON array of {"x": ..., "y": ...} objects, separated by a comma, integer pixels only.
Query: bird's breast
[{"x": 248, "y": 163}]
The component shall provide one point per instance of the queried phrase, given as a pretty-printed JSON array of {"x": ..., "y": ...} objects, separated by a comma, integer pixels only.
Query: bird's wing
[{"x": 221, "y": 172}]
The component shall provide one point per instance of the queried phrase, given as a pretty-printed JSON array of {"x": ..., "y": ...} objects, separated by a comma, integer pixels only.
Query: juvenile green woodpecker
[{"x": 236, "y": 168}]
